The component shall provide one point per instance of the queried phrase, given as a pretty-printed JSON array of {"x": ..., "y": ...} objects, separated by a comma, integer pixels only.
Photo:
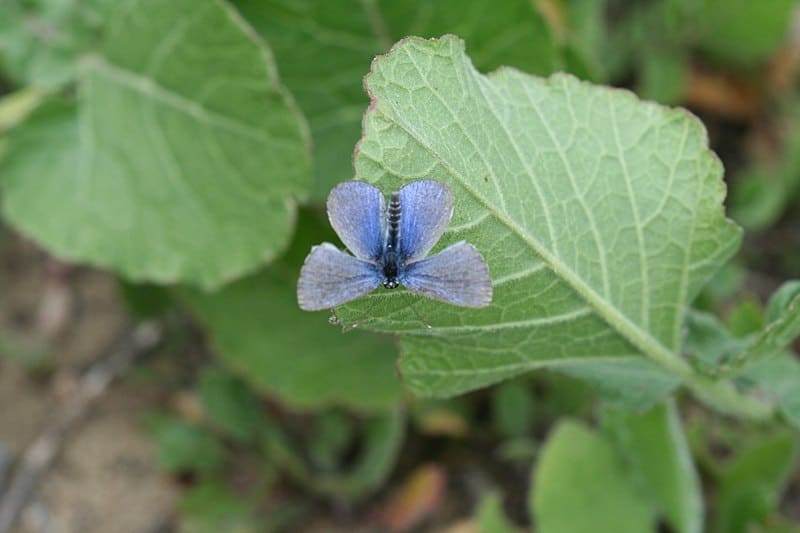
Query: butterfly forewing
[
  {"x": 331, "y": 277},
  {"x": 457, "y": 275},
  {"x": 426, "y": 207},
  {"x": 356, "y": 211}
]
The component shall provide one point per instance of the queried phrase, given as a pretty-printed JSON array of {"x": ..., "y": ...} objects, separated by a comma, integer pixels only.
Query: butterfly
[{"x": 389, "y": 246}]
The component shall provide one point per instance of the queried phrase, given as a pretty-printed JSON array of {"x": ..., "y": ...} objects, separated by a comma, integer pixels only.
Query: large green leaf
[
  {"x": 581, "y": 484},
  {"x": 322, "y": 49},
  {"x": 655, "y": 445},
  {"x": 259, "y": 331},
  {"x": 600, "y": 217},
  {"x": 182, "y": 160}
]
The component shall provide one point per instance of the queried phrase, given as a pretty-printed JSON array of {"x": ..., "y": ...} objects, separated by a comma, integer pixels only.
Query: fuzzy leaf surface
[
  {"x": 600, "y": 216},
  {"x": 182, "y": 159}
]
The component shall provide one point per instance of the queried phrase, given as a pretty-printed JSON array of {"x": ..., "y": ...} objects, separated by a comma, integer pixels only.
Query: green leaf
[
  {"x": 587, "y": 39},
  {"x": 742, "y": 32},
  {"x": 182, "y": 160},
  {"x": 599, "y": 216},
  {"x": 781, "y": 329},
  {"x": 490, "y": 516},
  {"x": 580, "y": 484},
  {"x": 322, "y": 49},
  {"x": 778, "y": 378},
  {"x": 745, "y": 317},
  {"x": 260, "y": 332},
  {"x": 709, "y": 342},
  {"x": 751, "y": 484},
  {"x": 513, "y": 409},
  {"x": 664, "y": 75},
  {"x": 41, "y": 39},
  {"x": 764, "y": 191},
  {"x": 382, "y": 440},
  {"x": 634, "y": 384},
  {"x": 209, "y": 507},
  {"x": 656, "y": 446},
  {"x": 332, "y": 435},
  {"x": 184, "y": 447},
  {"x": 231, "y": 405},
  {"x": 146, "y": 300}
]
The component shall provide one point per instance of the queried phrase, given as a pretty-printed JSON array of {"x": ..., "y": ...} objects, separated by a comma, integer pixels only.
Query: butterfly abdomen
[
  {"x": 393, "y": 219},
  {"x": 390, "y": 258}
]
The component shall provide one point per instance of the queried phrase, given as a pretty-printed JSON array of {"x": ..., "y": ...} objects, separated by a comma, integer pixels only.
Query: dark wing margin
[
  {"x": 426, "y": 207},
  {"x": 457, "y": 275},
  {"x": 357, "y": 211},
  {"x": 331, "y": 277}
]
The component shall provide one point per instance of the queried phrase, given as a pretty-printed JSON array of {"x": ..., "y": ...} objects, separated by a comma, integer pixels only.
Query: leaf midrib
[{"x": 148, "y": 87}]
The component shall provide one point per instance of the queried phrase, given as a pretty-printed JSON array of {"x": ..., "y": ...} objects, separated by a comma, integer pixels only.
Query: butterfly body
[
  {"x": 389, "y": 246},
  {"x": 390, "y": 259}
]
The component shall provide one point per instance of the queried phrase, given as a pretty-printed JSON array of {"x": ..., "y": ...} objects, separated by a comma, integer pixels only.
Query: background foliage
[{"x": 188, "y": 146}]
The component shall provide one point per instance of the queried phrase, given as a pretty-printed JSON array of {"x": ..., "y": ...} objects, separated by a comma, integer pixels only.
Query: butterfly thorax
[{"x": 390, "y": 259}]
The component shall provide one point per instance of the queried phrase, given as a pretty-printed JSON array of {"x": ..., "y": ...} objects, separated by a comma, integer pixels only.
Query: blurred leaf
[
  {"x": 40, "y": 40},
  {"x": 182, "y": 160},
  {"x": 322, "y": 50},
  {"x": 517, "y": 450},
  {"x": 230, "y": 404},
  {"x": 759, "y": 360},
  {"x": 743, "y": 32},
  {"x": 763, "y": 192},
  {"x": 512, "y": 408},
  {"x": 209, "y": 507},
  {"x": 746, "y": 317},
  {"x": 15, "y": 107},
  {"x": 781, "y": 329},
  {"x": 634, "y": 384},
  {"x": 709, "y": 342},
  {"x": 751, "y": 484},
  {"x": 580, "y": 484},
  {"x": 145, "y": 300},
  {"x": 778, "y": 377},
  {"x": 758, "y": 199},
  {"x": 333, "y": 432},
  {"x": 260, "y": 332},
  {"x": 184, "y": 447},
  {"x": 530, "y": 160},
  {"x": 655, "y": 445},
  {"x": 490, "y": 516},
  {"x": 380, "y": 446},
  {"x": 663, "y": 75},
  {"x": 723, "y": 286},
  {"x": 586, "y": 39}
]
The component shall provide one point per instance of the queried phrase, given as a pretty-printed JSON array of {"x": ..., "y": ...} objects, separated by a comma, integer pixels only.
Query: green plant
[{"x": 190, "y": 145}]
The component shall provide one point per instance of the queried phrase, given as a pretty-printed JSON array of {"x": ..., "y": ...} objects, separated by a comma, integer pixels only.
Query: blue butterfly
[{"x": 390, "y": 245}]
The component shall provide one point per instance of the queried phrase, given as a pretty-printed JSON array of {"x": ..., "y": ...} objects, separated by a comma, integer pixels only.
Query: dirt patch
[{"x": 55, "y": 321}]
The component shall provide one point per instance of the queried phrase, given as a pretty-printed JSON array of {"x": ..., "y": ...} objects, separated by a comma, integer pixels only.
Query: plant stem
[{"x": 720, "y": 395}]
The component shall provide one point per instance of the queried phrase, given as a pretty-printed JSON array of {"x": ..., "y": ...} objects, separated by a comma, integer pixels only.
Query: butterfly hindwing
[
  {"x": 331, "y": 277},
  {"x": 456, "y": 275},
  {"x": 356, "y": 211},
  {"x": 426, "y": 207}
]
